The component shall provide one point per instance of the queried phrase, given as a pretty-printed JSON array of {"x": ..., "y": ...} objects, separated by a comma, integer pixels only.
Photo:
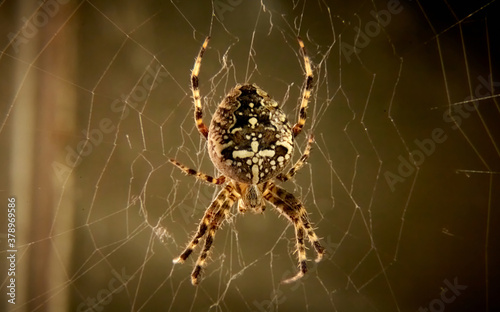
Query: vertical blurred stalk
[
  {"x": 44, "y": 110},
  {"x": 22, "y": 154}
]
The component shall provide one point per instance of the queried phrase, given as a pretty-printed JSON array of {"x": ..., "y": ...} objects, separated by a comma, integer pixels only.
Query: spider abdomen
[{"x": 250, "y": 139}]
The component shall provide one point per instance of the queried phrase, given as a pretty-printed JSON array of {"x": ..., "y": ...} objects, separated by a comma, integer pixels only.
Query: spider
[{"x": 250, "y": 142}]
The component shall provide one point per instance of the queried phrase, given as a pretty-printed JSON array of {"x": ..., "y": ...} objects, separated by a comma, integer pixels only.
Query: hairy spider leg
[
  {"x": 289, "y": 206},
  {"x": 199, "y": 175},
  {"x": 306, "y": 93},
  {"x": 214, "y": 224},
  {"x": 284, "y": 202},
  {"x": 210, "y": 221},
  {"x": 205, "y": 222},
  {"x": 198, "y": 111},
  {"x": 300, "y": 163},
  {"x": 298, "y": 208}
]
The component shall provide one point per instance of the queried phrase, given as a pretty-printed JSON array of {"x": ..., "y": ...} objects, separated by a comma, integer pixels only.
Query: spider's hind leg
[
  {"x": 300, "y": 163},
  {"x": 198, "y": 111},
  {"x": 306, "y": 93}
]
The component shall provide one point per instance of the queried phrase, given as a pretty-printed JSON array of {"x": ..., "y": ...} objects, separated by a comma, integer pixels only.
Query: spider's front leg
[
  {"x": 211, "y": 221},
  {"x": 289, "y": 206}
]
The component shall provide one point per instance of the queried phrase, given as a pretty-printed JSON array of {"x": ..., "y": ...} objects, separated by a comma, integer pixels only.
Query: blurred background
[{"x": 402, "y": 183}]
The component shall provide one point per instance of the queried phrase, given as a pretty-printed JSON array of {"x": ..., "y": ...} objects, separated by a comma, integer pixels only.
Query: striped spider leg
[{"x": 250, "y": 142}]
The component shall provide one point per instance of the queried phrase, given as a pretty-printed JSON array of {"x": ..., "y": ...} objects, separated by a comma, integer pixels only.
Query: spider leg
[
  {"x": 232, "y": 196},
  {"x": 205, "y": 222},
  {"x": 210, "y": 221},
  {"x": 306, "y": 93},
  {"x": 300, "y": 163},
  {"x": 301, "y": 250},
  {"x": 199, "y": 175},
  {"x": 198, "y": 112},
  {"x": 294, "y": 210}
]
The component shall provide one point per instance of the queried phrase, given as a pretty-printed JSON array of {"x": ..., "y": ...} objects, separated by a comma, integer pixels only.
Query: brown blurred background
[{"x": 402, "y": 183}]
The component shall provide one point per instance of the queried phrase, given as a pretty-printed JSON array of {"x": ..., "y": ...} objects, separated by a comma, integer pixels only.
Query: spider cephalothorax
[{"x": 251, "y": 142}]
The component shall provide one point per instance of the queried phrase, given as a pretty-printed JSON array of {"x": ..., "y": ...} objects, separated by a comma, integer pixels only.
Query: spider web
[{"x": 401, "y": 183}]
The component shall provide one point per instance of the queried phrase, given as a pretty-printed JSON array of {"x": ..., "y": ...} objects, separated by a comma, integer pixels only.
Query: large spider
[{"x": 251, "y": 142}]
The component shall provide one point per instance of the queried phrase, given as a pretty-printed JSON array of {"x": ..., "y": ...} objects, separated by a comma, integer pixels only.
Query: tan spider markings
[{"x": 250, "y": 142}]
